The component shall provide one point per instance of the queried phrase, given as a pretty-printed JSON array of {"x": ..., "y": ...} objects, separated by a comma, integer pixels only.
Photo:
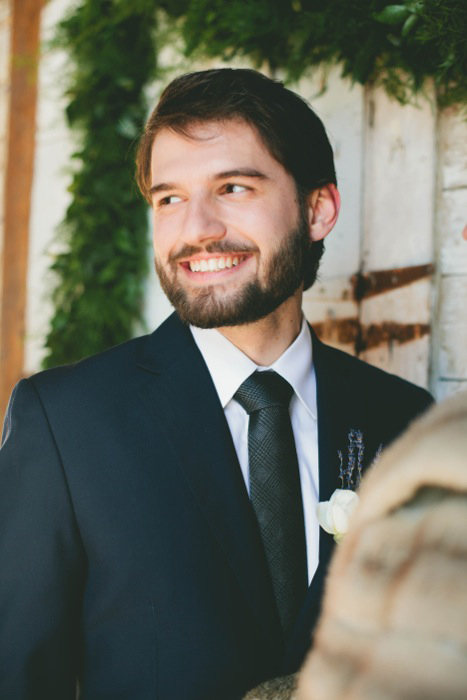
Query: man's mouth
[{"x": 214, "y": 264}]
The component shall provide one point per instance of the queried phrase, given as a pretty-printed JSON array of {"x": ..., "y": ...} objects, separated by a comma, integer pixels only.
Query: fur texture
[
  {"x": 276, "y": 689},
  {"x": 394, "y": 620}
]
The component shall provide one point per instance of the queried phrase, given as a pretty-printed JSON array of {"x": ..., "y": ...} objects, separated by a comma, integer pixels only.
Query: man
[{"x": 133, "y": 545}]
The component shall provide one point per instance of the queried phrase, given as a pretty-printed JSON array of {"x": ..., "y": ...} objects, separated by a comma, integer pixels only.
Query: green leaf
[
  {"x": 392, "y": 14},
  {"x": 409, "y": 24}
]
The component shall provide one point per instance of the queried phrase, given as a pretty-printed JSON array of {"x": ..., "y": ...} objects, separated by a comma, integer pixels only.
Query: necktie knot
[{"x": 263, "y": 390}]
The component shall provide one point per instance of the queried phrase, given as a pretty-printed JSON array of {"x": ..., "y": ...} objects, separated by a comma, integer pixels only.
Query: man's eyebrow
[
  {"x": 236, "y": 172},
  {"x": 162, "y": 187},
  {"x": 241, "y": 172}
]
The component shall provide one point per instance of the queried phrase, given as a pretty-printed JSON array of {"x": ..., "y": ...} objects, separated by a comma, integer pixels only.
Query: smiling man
[
  {"x": 231, "y": 230},
  {"x": 158, "y": 531}
]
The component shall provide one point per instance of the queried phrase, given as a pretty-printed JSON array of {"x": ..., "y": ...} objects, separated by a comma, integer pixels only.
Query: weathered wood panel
[
  {"x": 399, "y": 183},
  {"x": 449, "y": 348},
  {"x": 452, "y": 219},
  {"x": 445, "y": 388},
  {"x": 407, "y": 361},
  {"x": 453, "y": 328},
  {"x": 400, "y": 321},
  {"x": 409, "y": 304},
  {"x": 333, "y": 311},
  {"x": 453, "y": 148},
  {"x": 398, "y": 232}
]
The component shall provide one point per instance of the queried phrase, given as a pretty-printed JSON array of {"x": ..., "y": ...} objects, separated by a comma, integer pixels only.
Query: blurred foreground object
[
  {"x": 276, "y": 689},
  {"x": 394, "y": 620}
]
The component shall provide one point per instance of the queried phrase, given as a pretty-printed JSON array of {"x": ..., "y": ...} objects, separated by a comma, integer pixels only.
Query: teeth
[{"x": 214, "y": 264}]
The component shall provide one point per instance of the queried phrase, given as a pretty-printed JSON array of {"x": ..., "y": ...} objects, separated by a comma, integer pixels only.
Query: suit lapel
[
  {"x": 179, "y": 393},
  {"x": 339, "y": 410}
]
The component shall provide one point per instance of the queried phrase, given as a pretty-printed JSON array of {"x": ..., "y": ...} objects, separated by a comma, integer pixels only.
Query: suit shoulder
[
  {"x": 119, "y": 360},
  {"x": 390, "y": 387},
  {"x": 104, "y": 366}
]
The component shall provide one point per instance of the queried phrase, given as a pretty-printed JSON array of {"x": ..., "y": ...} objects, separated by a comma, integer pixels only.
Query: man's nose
[{"x": 202, "y": 221}]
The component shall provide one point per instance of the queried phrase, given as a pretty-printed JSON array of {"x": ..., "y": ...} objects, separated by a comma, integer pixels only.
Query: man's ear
[{"x": 323, "y": 209}]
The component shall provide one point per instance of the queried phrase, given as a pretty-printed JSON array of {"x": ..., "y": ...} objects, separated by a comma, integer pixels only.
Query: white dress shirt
[{"x": 229, "y": 367}]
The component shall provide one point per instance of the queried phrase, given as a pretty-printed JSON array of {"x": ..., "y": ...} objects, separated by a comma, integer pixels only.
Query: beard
[{"x": 213, "y": 307}]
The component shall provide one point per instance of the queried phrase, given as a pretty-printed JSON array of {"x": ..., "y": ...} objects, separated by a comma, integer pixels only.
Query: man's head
[{"x": 285, "y": 126}]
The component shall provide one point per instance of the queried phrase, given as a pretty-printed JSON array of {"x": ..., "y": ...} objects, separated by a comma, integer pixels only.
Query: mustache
[{"x": 187, "y": 251}]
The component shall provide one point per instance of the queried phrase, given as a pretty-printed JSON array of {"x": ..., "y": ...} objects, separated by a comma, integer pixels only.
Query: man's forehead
[
  {"x": 237, "y": 137},
  {"x": 206, "y": 130}
]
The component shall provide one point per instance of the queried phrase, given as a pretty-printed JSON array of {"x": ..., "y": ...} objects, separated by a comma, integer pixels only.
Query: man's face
[{"x": 229, "y": 234}]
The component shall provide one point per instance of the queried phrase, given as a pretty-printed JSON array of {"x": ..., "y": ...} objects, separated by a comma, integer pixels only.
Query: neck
[{"x": 265, "y": 340}]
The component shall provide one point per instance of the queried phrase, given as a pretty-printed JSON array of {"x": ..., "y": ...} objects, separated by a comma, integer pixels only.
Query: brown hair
[{"x": 290, "y": 130}]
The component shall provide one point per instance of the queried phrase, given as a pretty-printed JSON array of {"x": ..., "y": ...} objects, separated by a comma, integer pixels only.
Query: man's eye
[
  {"x": 170, "y": 199},
  {"x": 232, "y": 188}
]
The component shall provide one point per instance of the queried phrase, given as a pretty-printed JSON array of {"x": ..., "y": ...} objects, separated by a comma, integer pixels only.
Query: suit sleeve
[{"x": 42, "y": 561}]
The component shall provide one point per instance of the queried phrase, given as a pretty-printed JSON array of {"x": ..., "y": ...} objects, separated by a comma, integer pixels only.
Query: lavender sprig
[
  {"x": 360, "y": 451},
  {"x": 351, "y": 474},
  {"x": 341, "y": 467},
  {"x": 351, "y": 459}
]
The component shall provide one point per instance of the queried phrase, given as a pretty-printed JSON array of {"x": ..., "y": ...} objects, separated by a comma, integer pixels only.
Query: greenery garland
[
  {"x": 101, "y": 274},
  {"x": 112, "y": 46},
  {"x": 376, "y": 42}
]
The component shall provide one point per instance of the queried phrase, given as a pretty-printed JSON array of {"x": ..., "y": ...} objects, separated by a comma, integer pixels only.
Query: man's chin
[
  {"x": 218, "y": 322},
  {"x": 204, "y": 310},
  {"x": 253, "y": 305},
  {"x": 212, "y": 318}
]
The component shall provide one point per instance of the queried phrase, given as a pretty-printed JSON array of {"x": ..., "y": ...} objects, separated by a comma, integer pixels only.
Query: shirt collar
[{"x": 229, "y": 366}]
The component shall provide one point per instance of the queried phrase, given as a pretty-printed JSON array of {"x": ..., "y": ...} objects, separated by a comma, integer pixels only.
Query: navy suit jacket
[{"x": 130, "y": 557}]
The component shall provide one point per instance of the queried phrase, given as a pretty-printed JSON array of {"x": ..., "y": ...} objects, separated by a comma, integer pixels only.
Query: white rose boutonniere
[{"x": 334, "y": 515}]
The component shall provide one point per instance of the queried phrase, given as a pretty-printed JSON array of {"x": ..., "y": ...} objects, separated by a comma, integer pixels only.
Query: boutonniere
[{"x": 334, "y": 515}]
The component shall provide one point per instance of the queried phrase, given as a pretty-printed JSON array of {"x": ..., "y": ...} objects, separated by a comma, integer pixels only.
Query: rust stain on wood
[
  {"x": 382, "y": 281},
  {"x": 343, "y": 331},
  {"x": 377, "y": 334},
  {"x": 348, "y": 331},
  {"x": 18, "y": 185}
]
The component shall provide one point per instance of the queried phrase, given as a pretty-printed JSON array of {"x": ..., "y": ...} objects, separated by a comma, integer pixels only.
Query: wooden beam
[{"x": 18, "y": 185}]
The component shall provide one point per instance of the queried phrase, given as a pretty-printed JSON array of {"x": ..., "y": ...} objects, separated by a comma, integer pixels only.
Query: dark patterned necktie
[{"x": 275, "y": 491}]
